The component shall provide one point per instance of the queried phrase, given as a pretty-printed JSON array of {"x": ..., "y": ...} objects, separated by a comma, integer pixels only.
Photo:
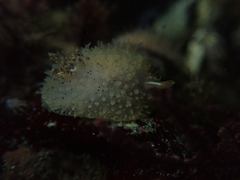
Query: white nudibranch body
[{"x": 106, "y": 81}]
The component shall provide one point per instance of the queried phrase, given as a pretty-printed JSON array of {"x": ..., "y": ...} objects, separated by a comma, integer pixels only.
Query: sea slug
[{"x": 107, "y": 81}]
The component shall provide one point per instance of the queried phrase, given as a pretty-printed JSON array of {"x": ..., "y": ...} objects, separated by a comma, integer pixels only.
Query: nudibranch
[{"x": 107, "y": 81}]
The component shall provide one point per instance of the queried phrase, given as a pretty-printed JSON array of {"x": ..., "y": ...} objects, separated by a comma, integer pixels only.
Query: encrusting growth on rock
[{"x": 106, "y": 81}]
